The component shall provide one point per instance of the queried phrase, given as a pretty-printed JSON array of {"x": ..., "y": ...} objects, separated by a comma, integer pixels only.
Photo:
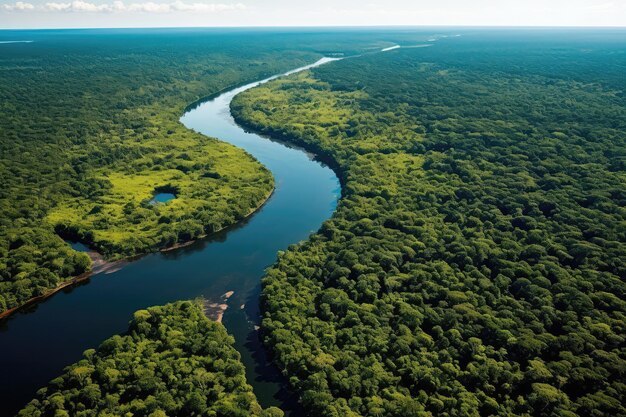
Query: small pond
[
  {"x": 77, "y": 246},
  {"x": 162, "y": 198}
]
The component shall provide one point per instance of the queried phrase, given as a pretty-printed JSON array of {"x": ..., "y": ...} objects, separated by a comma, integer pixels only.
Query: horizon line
[{"x": 464, "y": 26}]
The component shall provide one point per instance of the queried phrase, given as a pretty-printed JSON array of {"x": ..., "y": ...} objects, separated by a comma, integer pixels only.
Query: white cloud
[
  {"x": 205, "y": 7},
  {"x": 77, "y": 6},
  {"x": 164, "y": 13},
  {"x": 81, "y": 6},
  {"x": 19, "y": 6},
  {"x": 147, "y": 7}
]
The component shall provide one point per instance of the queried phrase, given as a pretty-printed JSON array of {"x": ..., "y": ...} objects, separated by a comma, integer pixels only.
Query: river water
[{"x": 36, "y": 344}]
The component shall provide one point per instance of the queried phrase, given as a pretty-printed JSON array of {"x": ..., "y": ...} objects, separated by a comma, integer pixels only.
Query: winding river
[{"x": 36, "y": 344}]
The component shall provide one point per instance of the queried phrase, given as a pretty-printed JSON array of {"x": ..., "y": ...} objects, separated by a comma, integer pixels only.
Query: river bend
[{"x": 36, "y": 344}]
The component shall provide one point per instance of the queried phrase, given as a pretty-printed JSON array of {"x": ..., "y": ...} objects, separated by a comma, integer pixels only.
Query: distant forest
[{"x": 476, "y": 263}]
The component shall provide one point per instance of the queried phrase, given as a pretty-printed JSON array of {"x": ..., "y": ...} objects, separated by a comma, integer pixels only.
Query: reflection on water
[{"x": 77, "y": 246}]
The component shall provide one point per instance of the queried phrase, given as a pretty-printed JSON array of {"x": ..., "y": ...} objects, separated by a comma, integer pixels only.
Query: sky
[{"x": 181, "y": 13}]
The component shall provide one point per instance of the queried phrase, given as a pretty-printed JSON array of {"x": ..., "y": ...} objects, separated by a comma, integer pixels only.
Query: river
[{"x": 36, "y": 344}]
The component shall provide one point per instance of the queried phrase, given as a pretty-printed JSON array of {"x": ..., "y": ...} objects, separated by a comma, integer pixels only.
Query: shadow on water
[
  {"x": 268, "y": 379},
  {"x": 39, "y": 341}
]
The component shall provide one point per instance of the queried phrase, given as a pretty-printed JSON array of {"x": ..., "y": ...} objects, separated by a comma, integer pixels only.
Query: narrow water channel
[{"x": 36, "y": 344}]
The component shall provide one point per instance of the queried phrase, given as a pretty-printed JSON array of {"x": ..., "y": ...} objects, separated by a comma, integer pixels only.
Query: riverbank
[
  {"x": 215, "y": 310},
  {"x": 223, "y": 229},
  {"x": 99, "y": 265},
  {"x": 317, "y": 152}
]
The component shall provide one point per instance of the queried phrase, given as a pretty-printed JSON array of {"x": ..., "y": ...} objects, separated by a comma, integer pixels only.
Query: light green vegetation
[
  {"x": 215, "y": 186},
  {"x": 173, "y": 361},
  {"x": 476, "y": 264}
]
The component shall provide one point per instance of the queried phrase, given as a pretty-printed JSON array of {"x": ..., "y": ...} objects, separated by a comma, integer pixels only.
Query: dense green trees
[
  {"x": 173, "y": 361},
  {"x": 476, "y": 263}
]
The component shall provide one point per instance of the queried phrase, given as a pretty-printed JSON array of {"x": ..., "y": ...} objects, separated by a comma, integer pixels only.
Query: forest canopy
[{"x": 476, "y": 263}]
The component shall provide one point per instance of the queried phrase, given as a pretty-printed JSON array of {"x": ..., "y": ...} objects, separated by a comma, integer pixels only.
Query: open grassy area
[{"x": 215, "y": 186}]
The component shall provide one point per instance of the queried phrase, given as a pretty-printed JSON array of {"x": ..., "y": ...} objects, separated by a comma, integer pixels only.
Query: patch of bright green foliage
[
  {"x": 173, "y": 361},
  {"x": 214, "y": 183},
  {"x": 476, "y": 263}
]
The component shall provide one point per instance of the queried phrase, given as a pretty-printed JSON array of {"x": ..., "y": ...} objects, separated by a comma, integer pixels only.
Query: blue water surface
[{"x": 162, "y": 198}]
